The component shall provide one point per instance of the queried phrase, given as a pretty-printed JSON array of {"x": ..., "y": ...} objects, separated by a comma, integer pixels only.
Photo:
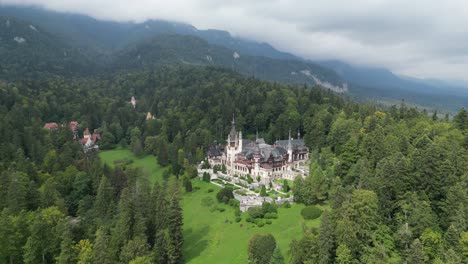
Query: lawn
[
  {"x": 148, "y": 163},
  {"x": 213, "y": 236}
]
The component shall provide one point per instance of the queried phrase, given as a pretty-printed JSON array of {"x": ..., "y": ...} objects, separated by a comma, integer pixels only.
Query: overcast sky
[{"x": 420, "y": 38}]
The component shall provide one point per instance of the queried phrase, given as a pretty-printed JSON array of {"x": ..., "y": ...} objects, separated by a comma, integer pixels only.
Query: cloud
[{"x": 422, "y": 38}]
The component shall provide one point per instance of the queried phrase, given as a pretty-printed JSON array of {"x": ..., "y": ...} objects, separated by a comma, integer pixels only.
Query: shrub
[
  {"x": 311, "y": 212},
  {"x": 255, "y": 212},
  {"x": 271, "y": 216},
  {"x": 238, "y": 219},
  {"x": 213, "y": 208},
  {"x": 207, "y": 201},
  {"x": 259, "y": 222},
  {"x": 210, "y": 190},
  {"x": 234, "y": 203},
  {"x": 224, "y": 195},
  {"x": 268, "y": 222},
  {"x": 221, "y": 209},
  {"x": 286, "y": 204},
  {"x": 249, "y": 219}
]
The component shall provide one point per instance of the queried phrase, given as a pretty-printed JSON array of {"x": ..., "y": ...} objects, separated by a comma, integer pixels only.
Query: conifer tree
[
  {"x": 102, "y": 248},
  {"x": 174, "y": 225},
  {"x": 67, "y": 251},
  {"x": 326, "y": 239}
]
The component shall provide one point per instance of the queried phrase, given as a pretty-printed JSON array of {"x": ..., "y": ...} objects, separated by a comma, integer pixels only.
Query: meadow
[{"x": 212, "y": 236}]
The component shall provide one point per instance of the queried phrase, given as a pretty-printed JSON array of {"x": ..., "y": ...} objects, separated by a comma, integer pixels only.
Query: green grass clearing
[
  {"x": 208, "y": 237},
  {"x": 148, "y": 163}
]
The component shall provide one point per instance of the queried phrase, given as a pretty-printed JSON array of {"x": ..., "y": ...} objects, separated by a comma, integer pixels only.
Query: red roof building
[{"x": 51, "y": 126}]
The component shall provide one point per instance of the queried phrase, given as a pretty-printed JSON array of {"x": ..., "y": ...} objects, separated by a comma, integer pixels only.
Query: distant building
[
  {"x": 89, "y": 140},
  {"x": 74, "y": 129},
  {"x": 149, "y": 116},
  {"x": 258, "y": 159},
  {"x": 133, "y": 101},
  {"x": 51, "y": 126}
]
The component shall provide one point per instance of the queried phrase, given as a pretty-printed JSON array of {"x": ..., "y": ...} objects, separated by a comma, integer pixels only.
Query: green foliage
[
  {"x": 225, "y": 195},
  {"x": 311, "y": 212},
  {"x": 263, "y": 192},
  {"x": 206, "y": 177},
  {"x": 261, "y": 248}
]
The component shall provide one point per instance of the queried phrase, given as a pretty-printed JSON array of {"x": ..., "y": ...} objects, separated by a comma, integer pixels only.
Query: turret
[
  {"x": 290, "y": 154},
  {"x": 256, "y": 158},
  {"x": 240, "y": 142},
  {"x": 232, "y": 138}
]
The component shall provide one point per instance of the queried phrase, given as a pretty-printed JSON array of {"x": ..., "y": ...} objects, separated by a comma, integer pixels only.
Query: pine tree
[
  {"x": 104, "y": 206},
  {"x": 134, "y": 248},
  {"x": 326, "y": 239},
  {"x": 416, "y": 254},
  {"x": 343, "y": 255},
  {"x": 67, "y": 252},
  {"x": 102, "y": 251},
  {"x": 174, "y": 225}
]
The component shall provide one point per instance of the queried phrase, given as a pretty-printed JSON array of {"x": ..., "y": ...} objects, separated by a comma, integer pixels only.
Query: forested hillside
[
  {"x": 395, "y": 179},
  {"x": 28, "y": 51}
]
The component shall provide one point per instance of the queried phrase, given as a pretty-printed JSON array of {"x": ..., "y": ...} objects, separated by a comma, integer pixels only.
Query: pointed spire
[
  {"x": 233, "y": 119},
  {"x": 256, "y": 135},
  {"x": 289, "y": 140},
  {"x": 298, "y": 133}
]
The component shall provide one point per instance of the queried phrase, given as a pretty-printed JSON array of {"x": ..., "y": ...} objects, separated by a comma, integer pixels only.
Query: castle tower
[
  {"x": 256, "y": 157},
  {"x": 232, "y": 145},
  {"x": 239, "y": 148},
  {"x": 290, "y": 154}
]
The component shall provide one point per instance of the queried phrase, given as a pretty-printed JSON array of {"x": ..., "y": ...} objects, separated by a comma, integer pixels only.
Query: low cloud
[{"x": 418, "y": 38}]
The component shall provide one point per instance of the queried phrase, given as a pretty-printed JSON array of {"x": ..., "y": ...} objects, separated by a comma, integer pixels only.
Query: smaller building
[
  {"x": 74, "y": 129},
  {"x": 133, "y": 101},
  {"x": 51, "y": 126},
  {"x": 89, "y": 140},
  {"x": 149, "y": 116}
]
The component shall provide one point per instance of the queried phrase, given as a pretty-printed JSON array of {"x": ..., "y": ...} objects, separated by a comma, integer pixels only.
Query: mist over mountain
[{"x": 118, "y": 45}]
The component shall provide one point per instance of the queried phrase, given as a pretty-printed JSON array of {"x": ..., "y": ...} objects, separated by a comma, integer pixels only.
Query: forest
[{"x": 395, "y": 178}]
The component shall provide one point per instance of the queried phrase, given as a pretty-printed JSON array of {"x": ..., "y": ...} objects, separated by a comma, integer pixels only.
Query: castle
[{"x": 259, "y": 160}]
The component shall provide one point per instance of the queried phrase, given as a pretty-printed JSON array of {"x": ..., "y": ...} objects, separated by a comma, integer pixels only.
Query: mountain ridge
[{"x": 102, "y": 40}]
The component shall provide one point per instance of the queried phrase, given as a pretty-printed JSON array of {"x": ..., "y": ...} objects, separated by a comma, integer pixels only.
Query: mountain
[
  {"x": 171, "y": 48},
  {"x": 85, "y": 31},
  {"x": 382, "y": 85},
  {"x": 123, "y": 44},
  {"x": 28, "y": 51}
]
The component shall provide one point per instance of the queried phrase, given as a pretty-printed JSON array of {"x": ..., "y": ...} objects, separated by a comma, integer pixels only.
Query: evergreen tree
[
  {"x": 343, "y": 255},
  {"x": 67, "y": 252},
  {"x": 326, "y": 239},
  {"x": 416, "y": 254},
  {"x": 174, "y": 225},
  {"x": 103, "y": 252}
]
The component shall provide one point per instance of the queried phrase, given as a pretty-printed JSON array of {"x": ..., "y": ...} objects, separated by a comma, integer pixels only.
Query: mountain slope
[
  {"x": 27, "y": 51},
  {"x": 85, "y": 31},
  {"x": 383, "y": 85},
  {"x": 170, "y": 48}
]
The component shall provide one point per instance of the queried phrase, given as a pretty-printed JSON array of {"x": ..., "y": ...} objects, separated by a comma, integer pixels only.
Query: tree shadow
[{"x": 195, "y": 242}]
